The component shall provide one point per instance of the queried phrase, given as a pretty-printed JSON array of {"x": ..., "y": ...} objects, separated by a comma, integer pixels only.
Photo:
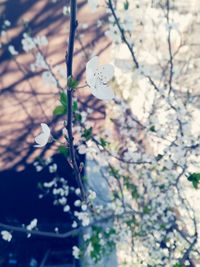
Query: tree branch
[{"x": 69, "y": 64}]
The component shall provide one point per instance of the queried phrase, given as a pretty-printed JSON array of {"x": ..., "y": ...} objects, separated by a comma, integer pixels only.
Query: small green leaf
[
  {"x": 75, "y": 106},
  {"x": 87, "y": 134},
  {"x": 159, "y": 157},
  {"x": 71, "y": 83},
  {"x": 60, "y": 110},
  {"x": 63, "y": 150},
  {"x": 78, "y": 117},
  {"x": 103, "y": 142},
  {"x": 63, "y": 98},
  {"x": 178, "y": 265},
  {"x": 114, "y": 172},
  {"x": 146, "y": 210},
  {"x": 194, "y": 178},
  {"x": 152, "y": 128},
  {"x": 126, "y": 5}
]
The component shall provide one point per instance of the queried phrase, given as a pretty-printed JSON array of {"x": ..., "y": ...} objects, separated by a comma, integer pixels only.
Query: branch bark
[{"x": 69, "y": 64}]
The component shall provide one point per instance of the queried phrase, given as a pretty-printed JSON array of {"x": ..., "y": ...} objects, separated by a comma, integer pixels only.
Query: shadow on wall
[{"x": 24, "y": 107}]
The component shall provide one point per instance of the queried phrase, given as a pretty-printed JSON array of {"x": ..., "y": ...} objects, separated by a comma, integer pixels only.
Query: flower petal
[
  {"x": 45, "y": 128},
  {"x": 103, "y": 91},
  {"x": 41, "y": 140},
  {"x": 91, "y": 67},
  {"x": 106, "y": 72},
  {"x": 92, "y": 63}
]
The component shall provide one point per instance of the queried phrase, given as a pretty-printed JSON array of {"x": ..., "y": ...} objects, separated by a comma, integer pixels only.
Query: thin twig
[{"x": 171, "y": 68}]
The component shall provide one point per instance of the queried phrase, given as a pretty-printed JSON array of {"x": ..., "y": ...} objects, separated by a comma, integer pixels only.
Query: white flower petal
[
  {"x": 92, "y": 63},
  {"x": 106, "y": 72},
  {"x": 98, "y": 77},
  {"x": 42, "y": 138},
  {"x": 45, "y": 128},
  {"x": 91, "y": 67},
  {"x": 103, "y": 92}
]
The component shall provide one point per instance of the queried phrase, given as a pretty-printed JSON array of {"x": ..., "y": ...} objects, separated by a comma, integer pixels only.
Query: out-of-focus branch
[{"x": 171, "y": 68}]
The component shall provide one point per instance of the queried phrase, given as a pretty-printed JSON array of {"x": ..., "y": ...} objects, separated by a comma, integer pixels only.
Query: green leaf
[
  {"x": 71, "y": 83},
  {"x": 63, "y": 98},
  {"x": 63, "y": 150},
  {"x": 159, "y": 157},
  {"x": 178, "y": 265},
  {"x": 78, "y": 117},
  {"x": 103, "y": 142},
  {"x": 146, "y": 210},
  {"x": 126, "y": 5},
  {"x": 60, "y": 110},
  {"x": 152, "y": 129},
  {"x": 114, "y": 172},
  {"x": 87, "y": 134},
  {"x": 75, "y": 106},
  {"x": 194, "y": 178}
]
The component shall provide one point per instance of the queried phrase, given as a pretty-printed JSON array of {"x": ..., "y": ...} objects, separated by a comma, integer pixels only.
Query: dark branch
[{"x": 69, "y": 63}]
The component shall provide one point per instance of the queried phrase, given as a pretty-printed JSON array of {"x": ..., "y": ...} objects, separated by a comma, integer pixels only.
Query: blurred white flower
[
  {"x": 98, "y": 77},
  {"x": 74, "y": 224},
  {"x": 77, "y": 203},
  {"x": 114, "y": 34},
  {"x": 42, "y": 138},
  {"x": 38, "y": 168},
  {"x": 84, "y": 207},
  {"x": 66, "y": 10},
  {"x": 12, "y": 50},
  {"x": 66, "y": 208},
  {"x": 76, "y": 252},
  {"x": 84, "y": 217},
  {"x": 7, "y": 23},
  {"x": 49, "y": 184},
  {"x": 93, "y": 4},
  {"x": 39, "y": 62},
  {"x": 53, "y": 168},
  {"x": 82, "y": 149},
  {"x": 77, "y": 191},
  {"x": 41, "y": 41},
  {"x": 27, "y": 43},
  {"x": 6, "y": 235},
  {"x": 49, "y": 79},
  {"x": 32, "y": 225},
  {"x": 3, "y": 33},
  {"x": 92, "y": 195}
]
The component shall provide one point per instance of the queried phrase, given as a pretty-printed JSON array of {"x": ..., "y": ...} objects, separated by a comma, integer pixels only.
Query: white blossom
[
  {"x": 66, "y": 10},
  {"x": 77, "y": 191},
  {"x": 84, "y": 217},
  {"x": 12, "y": 50},
  {"x": 66, "y": 208},
  {"x": 27, "y": 43},
  {"x": 97, "y": 77},
  {"x": 41, "y": 41},
  {"x": 6, "y": 235},
  {"x": 49, "y": 79},
  {"x": 82, "y": 149},
  {"x": 76, "y": 252},
  {"x": 32, "y": 225},
  {"x": 93, "y": 4},
  {"x": 53, "y": 168},
  {"x": 7, "y": 23},
  {"x": 43, "y": 138},
  {"x": 92, "y": 195},
  {"x": 77, "y": 203},
  {"x": 74, "y": 224}
]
